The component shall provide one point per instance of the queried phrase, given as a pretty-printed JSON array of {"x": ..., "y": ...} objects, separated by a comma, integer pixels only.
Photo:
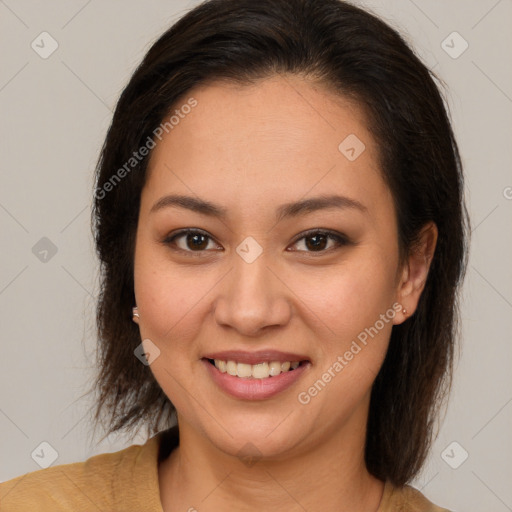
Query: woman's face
[{"x": 252, "y": 286}]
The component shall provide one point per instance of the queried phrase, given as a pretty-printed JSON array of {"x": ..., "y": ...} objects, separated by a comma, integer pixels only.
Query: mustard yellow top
[{"x": 127, "y": 481}]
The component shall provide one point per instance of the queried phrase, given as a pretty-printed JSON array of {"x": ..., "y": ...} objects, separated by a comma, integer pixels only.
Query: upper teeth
[{"x": 257, "y": 371}]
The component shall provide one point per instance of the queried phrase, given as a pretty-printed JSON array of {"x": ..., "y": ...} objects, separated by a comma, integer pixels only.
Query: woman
[{"x": 281, "y": 227}]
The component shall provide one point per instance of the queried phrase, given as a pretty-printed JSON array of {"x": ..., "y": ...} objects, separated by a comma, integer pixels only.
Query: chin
[{"x": 257, "y": 435}]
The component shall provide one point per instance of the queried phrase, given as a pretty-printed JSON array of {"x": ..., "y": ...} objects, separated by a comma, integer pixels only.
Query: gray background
[{"x": 55, "y": 113}]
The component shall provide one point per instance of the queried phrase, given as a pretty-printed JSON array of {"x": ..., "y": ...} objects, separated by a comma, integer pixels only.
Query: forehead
[{"x": 280, "y": 138}]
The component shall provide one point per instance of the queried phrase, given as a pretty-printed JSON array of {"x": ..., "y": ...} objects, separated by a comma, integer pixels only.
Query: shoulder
[
  {"x": 62, "y": 487},
  {"x": 95, "y": 484},
  {"x": 406, "y": 499}
]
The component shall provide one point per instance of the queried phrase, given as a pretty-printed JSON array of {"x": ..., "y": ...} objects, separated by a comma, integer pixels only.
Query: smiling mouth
[{"x": 262, "y": 370}]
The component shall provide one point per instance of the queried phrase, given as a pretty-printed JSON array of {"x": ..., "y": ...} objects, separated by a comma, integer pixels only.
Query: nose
[{"x": 253, "y": 298}]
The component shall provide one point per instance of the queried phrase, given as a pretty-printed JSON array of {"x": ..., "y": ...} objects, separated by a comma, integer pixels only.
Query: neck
[{"x": 320, "y": 475}]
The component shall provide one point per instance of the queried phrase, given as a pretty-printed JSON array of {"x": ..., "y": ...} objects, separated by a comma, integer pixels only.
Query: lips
[{"x": 255, "y": 387}]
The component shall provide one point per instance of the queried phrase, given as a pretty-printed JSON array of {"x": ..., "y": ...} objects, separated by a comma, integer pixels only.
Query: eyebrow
[{"x": 293, "y": 209}]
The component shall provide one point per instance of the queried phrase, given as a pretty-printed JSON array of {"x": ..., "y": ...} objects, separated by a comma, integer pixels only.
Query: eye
[
  {"x": 198, "y": 241},
  {"x": 193, "y": 240},
  {"x": 317, "y": 240}
]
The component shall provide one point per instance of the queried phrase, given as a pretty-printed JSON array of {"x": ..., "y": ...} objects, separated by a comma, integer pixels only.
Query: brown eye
[
  {"x": 318, "y": 241},
  {"x": 196, "y": 241},
  {"x": 189, "y": 240}
]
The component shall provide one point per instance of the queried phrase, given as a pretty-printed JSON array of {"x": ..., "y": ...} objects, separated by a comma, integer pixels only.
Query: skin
[{"x": 250, "y": 149}]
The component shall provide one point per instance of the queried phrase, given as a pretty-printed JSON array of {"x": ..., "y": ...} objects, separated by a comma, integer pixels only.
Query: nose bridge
[{"x": 253, "y": 297}]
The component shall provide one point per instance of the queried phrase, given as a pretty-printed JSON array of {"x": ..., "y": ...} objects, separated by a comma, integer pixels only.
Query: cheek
[
  {"x": 355, "y": 307},
  {"x": 351, "y": 296},
  {"x": 168, "y": 297},
  {"x": 168, "y": 304}
]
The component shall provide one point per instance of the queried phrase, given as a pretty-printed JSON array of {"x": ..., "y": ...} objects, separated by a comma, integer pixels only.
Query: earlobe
[
  {"x": 135, "y": 314},
  {"x": 416, "y": 271}
]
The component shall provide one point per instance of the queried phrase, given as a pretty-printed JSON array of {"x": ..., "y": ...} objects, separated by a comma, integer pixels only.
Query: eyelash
[{"x": 341, "y": 240}]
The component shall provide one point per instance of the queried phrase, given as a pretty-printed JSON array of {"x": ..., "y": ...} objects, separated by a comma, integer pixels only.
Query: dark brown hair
[{"x": 355, "y": 54}]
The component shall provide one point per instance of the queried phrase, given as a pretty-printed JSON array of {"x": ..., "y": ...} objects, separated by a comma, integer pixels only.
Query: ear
[{"x": 415, "y": 272}]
